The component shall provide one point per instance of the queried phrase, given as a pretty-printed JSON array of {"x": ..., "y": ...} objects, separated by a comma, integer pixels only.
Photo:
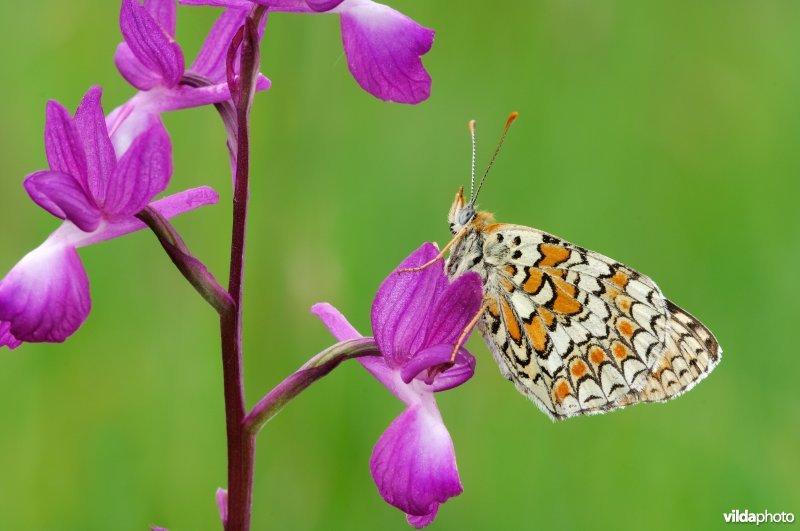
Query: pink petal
[
  {"x": 7, "y": 339},
  {"x": 432, "y": 366},
  {"x": 418, "y": 522},
  {"x": 90, "y": 122},
  {"x": 62, "y": 143},
  {"x": 132, "y": 69},
  {"x": 169, "y": 207},
  {"x": 454, "y": 310},
  {"x": 414, "y": 464},
  {"x": 45, "y": 297},
  {"x": 211, "y": 61},
  {"x": 321, "y": 6},
  {"x": 337, "y": 323},
  {"x": 142, "y": 173},
  {"x": 403, "y": 304},
  {"x": 222, "y": 505},
  {"x": 383, "y": 49},
  {"x": 163, "y": 11},
  {"x": 240, "y": 4},
  {"x": 62, "y": 195},
  {"x": 151, "y": 44}
]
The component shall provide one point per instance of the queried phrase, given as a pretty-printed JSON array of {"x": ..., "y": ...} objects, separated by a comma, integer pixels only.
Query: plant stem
[{"x": 241, "y": 443}]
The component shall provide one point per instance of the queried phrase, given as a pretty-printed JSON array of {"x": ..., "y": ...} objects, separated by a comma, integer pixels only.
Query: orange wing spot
[
  {"x": 620, "y": 351},
  {"x": 557, "y": 273},
  {"x": 552, "y": 255},
  {"x": 507, "y": 285},
  {"x": 565, "y": 302},
  {"x": 561, "y": 391},
  {"x": 493, "y": 308},
  {"x": 625, "y": 328},
  {"x": 534, "y": 280},
  {"x": 620, "y": 279},
  {"x": 537, "y": 333},
  {"x": 596, "y": 355},
  {"x": 611, "y": 293},
  {"x": 510, "y": 270},
  {"x": 511, "y": 322},
  {"x": 547, "y": 316},
  {"x": 624, "y": 303},
  {"x": 578, "y": 369}
]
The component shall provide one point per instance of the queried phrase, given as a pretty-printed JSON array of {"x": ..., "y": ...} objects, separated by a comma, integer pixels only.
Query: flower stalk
[
  {"x": 317, "y": 367},
  {"x": 241, "y": 443}
]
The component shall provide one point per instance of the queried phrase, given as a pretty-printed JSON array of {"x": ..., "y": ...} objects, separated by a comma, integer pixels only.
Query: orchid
[
  {"x": 152, "y": 61},
  {"x": 45, "y": 297},
  {"x": 417, "y": 318},
  {"x": 383, "y": 46}
]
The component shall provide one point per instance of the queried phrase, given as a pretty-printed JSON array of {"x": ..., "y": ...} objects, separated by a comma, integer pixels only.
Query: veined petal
[
  {"x": 211, "y": 61},
  {"x": 335, "y": 322},
  {"x": 432, "y": 366},
  {"x": 163, "y": 11},
  {"x": 45, "y": 297},
  {"x": 418, "y": 522},
  {"x": 7, "y": 339},
  {"x": 132, "y": 69},
  {"x": 142, "y": 172},
  {"x": 150, "y": 43},
  {"x": 383, "y": 49},
  {"x": 240, "y": 4},
  {"x": 128, "y": 121},
  {"x": 403, "y": 304},
  {"x": 62, "y": 143},
  {"x": 454, "y": 310},
  {"x": 414, "y": 464},
  {"x": 62, "y": 195},
  {"x": 169, "y": 207},
  {"x": 90, "y": 122},
  {"x": 321, "y": 6}
]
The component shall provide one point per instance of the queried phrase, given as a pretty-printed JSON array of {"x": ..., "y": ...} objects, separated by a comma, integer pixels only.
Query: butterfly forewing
[{"x": 577, "y": 331}]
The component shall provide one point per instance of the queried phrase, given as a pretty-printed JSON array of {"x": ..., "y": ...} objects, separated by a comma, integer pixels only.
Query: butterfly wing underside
[{"x": 579, "y": 333}]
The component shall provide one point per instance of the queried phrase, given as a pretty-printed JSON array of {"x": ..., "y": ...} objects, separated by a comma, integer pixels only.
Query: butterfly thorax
[{"x": 467, "y": 253}]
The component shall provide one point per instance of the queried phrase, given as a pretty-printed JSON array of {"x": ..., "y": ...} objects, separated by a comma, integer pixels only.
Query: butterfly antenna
[
  {"x": 472, "y": 180},
  {"x": 511, "y": 118}
]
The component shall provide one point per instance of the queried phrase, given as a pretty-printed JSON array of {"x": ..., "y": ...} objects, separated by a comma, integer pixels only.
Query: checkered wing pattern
[{"x": 577, "y": 332}]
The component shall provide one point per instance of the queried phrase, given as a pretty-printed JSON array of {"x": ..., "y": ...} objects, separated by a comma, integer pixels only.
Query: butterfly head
[{"x": 461, "y": 213}]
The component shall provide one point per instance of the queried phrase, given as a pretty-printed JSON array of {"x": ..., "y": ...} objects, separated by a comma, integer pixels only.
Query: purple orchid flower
[
  {"x": 417, "y": 319},
  {"x": 383, "y": 46},
  {"x": 151, "y": 60},
  {"x": 45, "y": 297}
]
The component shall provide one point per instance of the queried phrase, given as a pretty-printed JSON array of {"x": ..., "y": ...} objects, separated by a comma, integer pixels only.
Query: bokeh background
[{"x": 664, "y": 134}]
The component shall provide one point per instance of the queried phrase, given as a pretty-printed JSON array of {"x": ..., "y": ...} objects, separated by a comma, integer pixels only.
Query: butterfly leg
[
  {"x": 439, "y": 256},
  {"x": 468, "y": 328}
]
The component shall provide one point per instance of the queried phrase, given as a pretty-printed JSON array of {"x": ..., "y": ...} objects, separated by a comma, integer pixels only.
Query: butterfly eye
[{"x": 465, "y": 215}]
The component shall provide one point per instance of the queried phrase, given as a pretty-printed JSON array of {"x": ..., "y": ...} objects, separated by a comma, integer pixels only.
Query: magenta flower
[
  {"x": 417, "y": 319},
  {"x": 383, "y": 47},
  {"x": 151, "y": 60},
  {"x": 45, "y": 297}
]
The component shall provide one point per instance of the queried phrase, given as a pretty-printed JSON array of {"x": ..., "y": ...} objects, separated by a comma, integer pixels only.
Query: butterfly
[{"x": 577, "y": 332}]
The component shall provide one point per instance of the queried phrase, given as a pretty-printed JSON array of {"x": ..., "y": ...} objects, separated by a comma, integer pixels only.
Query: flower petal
[
  {"x": 383, "y": 49},
  {"x": 335, "y": 322},
  {"x": 436, "y": 360},
  {"x": 142, "y": 172},
  {"x": 211, "y": 61},
  {"x": 240, "y": 4},
  {"x": 62, "y": 143},
  {"x": 414, "y": 464},
  {"x": 62, "y": 195},
  {"x": 321, "y": 6},
  {"x": 222, "y": 504},
  {"x": 163, "y": 11},
  {"x": 45, "y": 297},
  {"x": 90, "y": 122},
  {"x": 132, "y": 69},
  {"x": 403, "y": 303},
  {"x": 169, "y": 207},
  {"x": 150, "y": 43},
  {"x": 455, "y": 309},
  {"x": 7, "y": 339},
  {"x": 418, "y": 522}
]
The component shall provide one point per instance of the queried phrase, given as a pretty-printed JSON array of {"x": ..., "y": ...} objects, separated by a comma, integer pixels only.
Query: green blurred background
[{"x": 664, "y": 134}]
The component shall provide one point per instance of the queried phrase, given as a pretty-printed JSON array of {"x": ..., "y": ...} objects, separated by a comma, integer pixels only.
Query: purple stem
[
  {"x": 241, "y": 443},
  {"x": 317, "y": 367}
]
